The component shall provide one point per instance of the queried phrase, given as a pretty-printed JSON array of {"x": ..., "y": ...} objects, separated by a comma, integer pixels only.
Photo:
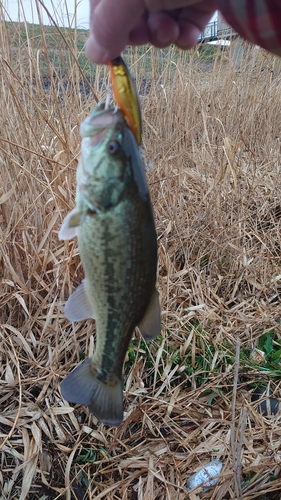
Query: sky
[{"x": 62, "y": 11}]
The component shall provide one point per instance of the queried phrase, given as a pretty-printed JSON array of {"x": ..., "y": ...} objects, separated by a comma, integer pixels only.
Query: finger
[
  {"x": 163, "y": 28},
  {"x": 192, "y": 22},
  {"x": 140, "y": 35},
  {"x": 157, "y": 5},
  {"x": 110, "y": 25}
]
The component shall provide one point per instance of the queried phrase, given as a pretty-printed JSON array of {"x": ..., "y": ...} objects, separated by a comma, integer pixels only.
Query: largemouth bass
[{"x": 114, "y": 223}]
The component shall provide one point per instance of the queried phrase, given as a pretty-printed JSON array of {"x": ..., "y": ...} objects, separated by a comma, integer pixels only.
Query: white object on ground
[{"x": 205, "y": 475}]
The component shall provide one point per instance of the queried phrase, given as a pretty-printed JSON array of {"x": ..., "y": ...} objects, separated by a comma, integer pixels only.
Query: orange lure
[{"x": 126, "y": 95}]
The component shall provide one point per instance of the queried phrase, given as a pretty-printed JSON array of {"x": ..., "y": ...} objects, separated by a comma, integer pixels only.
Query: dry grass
[{"x": 211, "y": 129}]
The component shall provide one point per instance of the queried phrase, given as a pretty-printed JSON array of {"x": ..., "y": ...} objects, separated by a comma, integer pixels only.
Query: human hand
[{"x": 113, "y": 25}]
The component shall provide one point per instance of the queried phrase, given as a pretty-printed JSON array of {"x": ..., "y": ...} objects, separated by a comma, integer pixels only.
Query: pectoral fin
[
  {"x": 70, "y": 224},
  {"x": 80, "y": 304},
  {"x": 151, "y": 322}
]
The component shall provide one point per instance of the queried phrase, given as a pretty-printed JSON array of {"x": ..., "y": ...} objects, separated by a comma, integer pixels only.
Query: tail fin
[{"x": 104, "y": 400}]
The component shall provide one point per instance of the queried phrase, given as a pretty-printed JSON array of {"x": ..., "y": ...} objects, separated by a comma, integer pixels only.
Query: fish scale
[{"x": 133, "y": 268}]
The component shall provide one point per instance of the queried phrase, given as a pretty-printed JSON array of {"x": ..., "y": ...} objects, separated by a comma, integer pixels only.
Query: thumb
[{"x": 110, "y": 25}]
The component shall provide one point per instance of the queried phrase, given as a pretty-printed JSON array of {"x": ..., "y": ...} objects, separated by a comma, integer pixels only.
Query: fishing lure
[{"x": 126, "y": 96}]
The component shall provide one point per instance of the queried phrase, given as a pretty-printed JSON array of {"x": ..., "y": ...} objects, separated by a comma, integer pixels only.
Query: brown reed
[{"x": 211, "y": 130}]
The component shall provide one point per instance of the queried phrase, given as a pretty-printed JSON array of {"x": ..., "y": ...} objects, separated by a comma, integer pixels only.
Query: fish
[
  {"x": 126, "y": 95},
  {"x": 113, "y": 221}
]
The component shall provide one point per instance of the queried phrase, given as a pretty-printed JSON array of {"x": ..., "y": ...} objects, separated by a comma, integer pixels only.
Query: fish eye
[{"x": 113, "y": 147}]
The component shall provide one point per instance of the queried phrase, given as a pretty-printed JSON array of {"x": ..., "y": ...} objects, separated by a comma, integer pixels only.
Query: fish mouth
[
  {"x": 106, "y": 118},
  {"x": 96, "y": 126}
]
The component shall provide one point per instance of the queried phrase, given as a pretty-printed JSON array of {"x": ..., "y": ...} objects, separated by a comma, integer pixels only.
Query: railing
[
  {"x": 226, "y": 32},
  {"x": 210, "y": 32},
  {"x": 213, "y": 32}
]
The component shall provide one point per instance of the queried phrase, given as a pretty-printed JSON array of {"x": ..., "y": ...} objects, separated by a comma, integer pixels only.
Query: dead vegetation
[{"x": 211, "y": 130}]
